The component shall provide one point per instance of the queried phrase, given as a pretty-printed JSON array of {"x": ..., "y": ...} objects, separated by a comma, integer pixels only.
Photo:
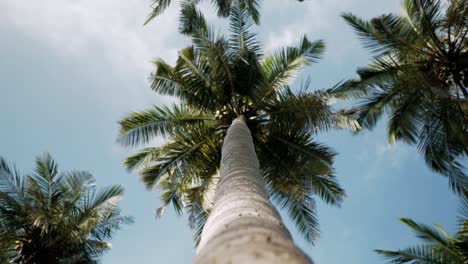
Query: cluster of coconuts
[{"x": 227, "y": 114}]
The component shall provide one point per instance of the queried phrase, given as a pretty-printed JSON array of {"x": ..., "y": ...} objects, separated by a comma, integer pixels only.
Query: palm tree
[
  {"x": 440, "y": 247},
  {"x": 418, "y": 78},
  {"x": 52, "y": 217},
  {"x": 223, "y": 9},
  {"x": 237, "y": 119}
]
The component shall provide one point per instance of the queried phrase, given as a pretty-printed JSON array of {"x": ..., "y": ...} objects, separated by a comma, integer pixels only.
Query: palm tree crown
[
  {"x": 217, "y": 79},
  {"x": 223, "y": 9},
  {"x": 418, "y": 78},
  {"x": 52, "y": 217}
]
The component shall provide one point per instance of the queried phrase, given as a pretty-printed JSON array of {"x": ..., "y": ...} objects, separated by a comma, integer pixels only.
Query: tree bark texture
[{"x": 244, "y": 227}]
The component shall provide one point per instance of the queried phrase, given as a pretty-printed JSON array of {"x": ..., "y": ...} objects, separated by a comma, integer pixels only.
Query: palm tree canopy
[
  {"x": 439, "y": 247},
  {"x": 417, "y": 78},
  {"x": 223, "y": 9},
  {"x": 216, "y": 79},
  {"x": 53, "y": 217}
]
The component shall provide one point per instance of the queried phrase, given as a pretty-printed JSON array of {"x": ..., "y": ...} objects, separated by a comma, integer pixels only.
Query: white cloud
[
  {"x": 105, "y": 26},
  {"x": 113, "y": 28},
  {"x": 287, "y": 21},
  {"x": 109, "y": 33},
  {"x": 104, "y": 34}
]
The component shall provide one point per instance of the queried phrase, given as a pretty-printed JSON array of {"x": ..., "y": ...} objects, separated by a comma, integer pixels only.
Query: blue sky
[{"x": 71, "y": 69}]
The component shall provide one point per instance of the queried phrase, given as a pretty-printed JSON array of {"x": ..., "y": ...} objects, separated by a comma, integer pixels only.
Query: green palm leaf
[
  {"x": 191, "y": 18},
  {"x": 140, "y": 127},
  {"x": 416, "y": 255},
  {"x": 284, "y": 65}
]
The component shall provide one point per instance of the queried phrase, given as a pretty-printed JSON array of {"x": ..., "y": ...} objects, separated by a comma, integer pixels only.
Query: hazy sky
[{"x": 70, "y": 69}]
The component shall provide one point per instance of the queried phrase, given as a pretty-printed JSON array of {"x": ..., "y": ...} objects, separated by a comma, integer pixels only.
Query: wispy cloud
[
  {"x": 287, "y": 21},
  {"x": 387, "y": 156}
]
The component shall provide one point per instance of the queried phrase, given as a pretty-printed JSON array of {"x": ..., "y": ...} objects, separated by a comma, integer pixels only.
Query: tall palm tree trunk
[{"x": 244, "y": 227}]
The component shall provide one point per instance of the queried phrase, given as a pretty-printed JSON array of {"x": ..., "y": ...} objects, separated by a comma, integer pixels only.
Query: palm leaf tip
[
  {"x": 158, "y": 7},
  {"x": 362, "y": 27},
  {"x": 191, "y": 19},
  {"x": 313, "y": 50}
]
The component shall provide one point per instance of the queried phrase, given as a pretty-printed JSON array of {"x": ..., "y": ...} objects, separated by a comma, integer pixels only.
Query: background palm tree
[
  {"x": 418, "y": 78},
  {"x": 52, "y": 217},
  {"x": 223, "y": 9},
  {"x": 439, "y": 247},
  {"x": 215, "y": 81}
]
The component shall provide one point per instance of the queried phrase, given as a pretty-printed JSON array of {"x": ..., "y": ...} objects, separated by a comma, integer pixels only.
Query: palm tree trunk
[{"x": 244, "y": 227}]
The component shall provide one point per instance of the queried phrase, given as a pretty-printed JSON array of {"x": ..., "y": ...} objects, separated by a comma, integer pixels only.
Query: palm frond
[
  {"x": 463, "y": 209},
  {"x": 416, "y": 255},
  {"x": 46, "y": 169},
  {"x": 456, "y": 21},
  {"x": 425, "y": 17},
  {"x": 215, "y": 51},
  {"x": 224, "y": 8},
  {"x": 381, "y": 72},
  {"x": 296, "y": 146},
  {"x": 11, "y": 181},
  {"x": 364, "y": 30},
  {"x": 107, "y": 198},
  {"x": 165, "y": 80},
  {"x": 242, "y": 39},
  {"x": 295, "y": 169},
  {"x": 109, "y": 221},
  {"x": 376, "y": 104},
  {"x": 440, "y": 247},
  {"x": 172, "y": 194},
  {"x": 303, "y": 109},
  {"x": 303, "y": 214},
  {"x": 44, "y": 183},
  {"x": 188, "y": 80},
  {"x": 141, "y": 127},
  {"x": 252, "y": 7},
  {"x": 199, "y": 201},
  {"x": 142, "y": 159},
  {"x": 385, "y": 34},
  {"x": 404, "y": 120},
  {"x": 328, "y": 189},
  {"x": 440, "y": 152},
  {"x": 78, "y": 183},
  {"x": 186, "y": 152},
  {"x": 159, "y": 6},
  {"x": 426, "y": 233},
  {"x": 284, "y": 65},
  {"x": 191, "y": 19},
  {"x": 198, "y": 223}
]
